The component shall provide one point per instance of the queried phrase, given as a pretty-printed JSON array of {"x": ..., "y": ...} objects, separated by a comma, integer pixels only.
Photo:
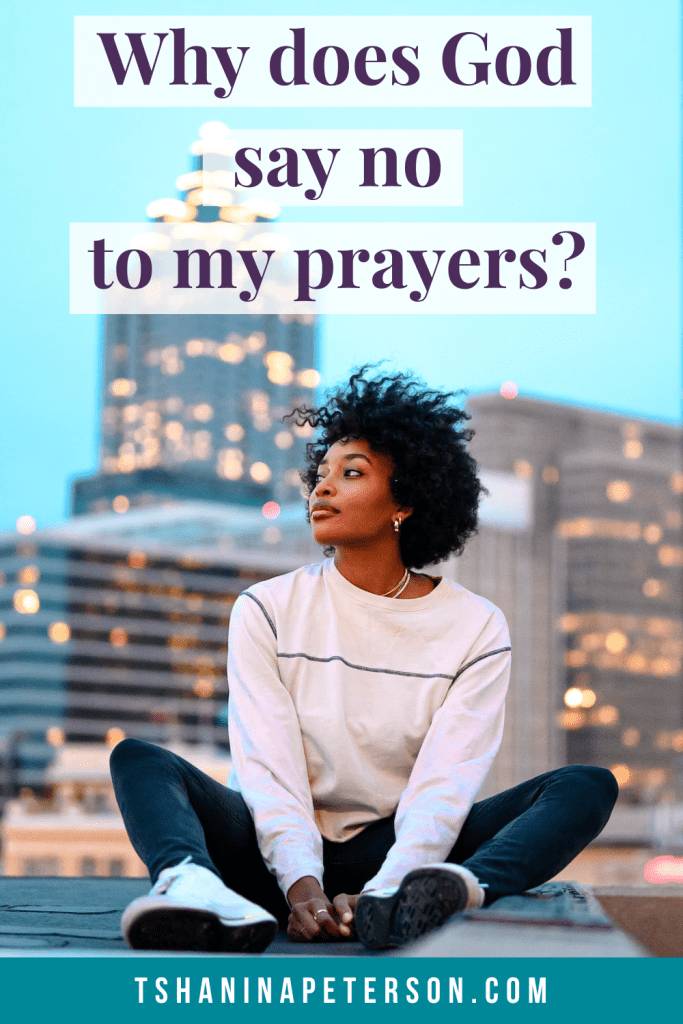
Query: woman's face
[{"x": 352, "y": 503}]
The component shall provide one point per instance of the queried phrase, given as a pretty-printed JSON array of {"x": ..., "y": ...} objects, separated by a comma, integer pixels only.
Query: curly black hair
[{"x": 423, "y": 432}]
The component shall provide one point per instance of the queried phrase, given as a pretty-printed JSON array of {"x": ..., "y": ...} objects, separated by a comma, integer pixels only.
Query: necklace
[{"x": 400, "y": 586}]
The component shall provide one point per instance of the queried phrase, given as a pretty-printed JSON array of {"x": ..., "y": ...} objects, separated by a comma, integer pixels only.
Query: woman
[{"x": 366, "y": 707}]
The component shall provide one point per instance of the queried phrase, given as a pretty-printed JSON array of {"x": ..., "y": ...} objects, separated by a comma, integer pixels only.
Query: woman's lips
[{"x": 323, "y": 513}]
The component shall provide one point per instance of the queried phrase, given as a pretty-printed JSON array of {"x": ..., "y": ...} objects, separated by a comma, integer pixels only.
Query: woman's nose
[{"x": 324, "y": 486}]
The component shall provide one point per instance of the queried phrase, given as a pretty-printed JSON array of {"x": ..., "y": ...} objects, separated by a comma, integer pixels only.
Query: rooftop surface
[{"x": 81, "y": 916}]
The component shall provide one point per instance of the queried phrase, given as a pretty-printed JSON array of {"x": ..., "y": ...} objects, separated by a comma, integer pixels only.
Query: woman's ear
[{"x": 404, "y": 513}]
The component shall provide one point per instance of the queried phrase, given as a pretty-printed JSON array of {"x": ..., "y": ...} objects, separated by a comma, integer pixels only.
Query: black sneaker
[{"x": 424, "y": 900}]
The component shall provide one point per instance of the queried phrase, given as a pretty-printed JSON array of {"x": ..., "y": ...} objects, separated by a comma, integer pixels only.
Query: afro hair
[{"x": 424, "y": 434}]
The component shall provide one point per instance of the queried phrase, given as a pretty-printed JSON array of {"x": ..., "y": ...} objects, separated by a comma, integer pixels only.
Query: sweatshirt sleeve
[
  {"x": 455, "y": 756},
  {"x": 267, "y": 748}
]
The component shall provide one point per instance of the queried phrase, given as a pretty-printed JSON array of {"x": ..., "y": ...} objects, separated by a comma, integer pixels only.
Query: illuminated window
[
  {"x": 677, "y": 483},
  {"x": 633, "y": 449},
  {"x": 121, "y": 387},
  {"x": 572, "y": 697},
  {"x": 571, "y": 719},
  {"x": 260, "y": 472},
  {"x": 126, "y": 463},
  {"x": 613, "y": 529},
  {"x": 130, "y": 413},
  {"x": 670, "y": 556},
  {"x": 672, "y": 518},
  {"x": 279, "y": 366},
  {"x": 234, "y": 432},
  {"x": 203, "y": 412},
  {"x": 230, "y": 353},
  {"x": 308, "y": 378},
  {"x": 26, "y": 602},
  {"x": 636, "y": 663},
  {"x": 523, "y": 469},
  {"x": 229, "y": 463},
  {"x": 203, "y": 687},
  {"x": 120, "y": 504},
  {"x": 622, "y": 773},
  {"x": 283, "y": 439},
  {"x": 575, "y": 659},
  {"x": 25, "y": 525},
  {"x": 652, "y": 533},
  {"x": 58, "y": 632},
  {"x": 550, "y": 474},
  {"x": 255, "y": 342},
  {"x": 28, "y": 575},
  {"x": 607, "y": 715},
  {"x": 55, "y": 736},
  {"x": 114, "y": 736},
  {"x": 3, "y": 631},
  {"x": 630, "y": 737},
  {"x": 172, "y": 210},
  {"x": 616, "y": 642},
  {"x": 174, "y": 430},
  {"x": 118, "y": 637},
  {"x": 619, "y": 490},
  {"x": 202, "y": 444},
  {"x": 137, "y": 559}
]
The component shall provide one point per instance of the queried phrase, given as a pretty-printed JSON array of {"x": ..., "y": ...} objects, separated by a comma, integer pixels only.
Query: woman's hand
[{"x": 314, "y": 918}]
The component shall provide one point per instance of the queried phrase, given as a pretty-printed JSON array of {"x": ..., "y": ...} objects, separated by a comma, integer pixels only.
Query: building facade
[
  {"x": 192, "y": 404},
  {"x": 115, "y": 626},
  {"x": 592, "y": 587}
]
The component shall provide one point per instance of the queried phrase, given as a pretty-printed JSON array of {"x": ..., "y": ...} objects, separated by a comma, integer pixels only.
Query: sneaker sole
[
  {"x": 426, "y": 898},
  {"x": 185, "y": 929}
]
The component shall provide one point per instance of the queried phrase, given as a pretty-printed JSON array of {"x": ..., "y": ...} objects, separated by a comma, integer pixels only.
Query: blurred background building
[{"x": 115, "y": 623}]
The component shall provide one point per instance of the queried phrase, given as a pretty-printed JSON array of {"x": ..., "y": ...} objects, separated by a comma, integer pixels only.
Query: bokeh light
[
  {"x": 26, "y": 525},
  {"x": 622, "y": 773},
  {"x": 59, "y": 632},
  {"x": 114, "y": 736},
  {"x": 271, "y": 510},
  {"x": 55, "y": 736},
  {"x": 664, "y": 869},
  {"x": 26, "y": 602},
  {"x": 509, "y": 389}
]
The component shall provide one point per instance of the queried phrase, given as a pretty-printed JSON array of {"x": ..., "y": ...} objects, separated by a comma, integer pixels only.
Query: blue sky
[{"x": 616, "y": 163}]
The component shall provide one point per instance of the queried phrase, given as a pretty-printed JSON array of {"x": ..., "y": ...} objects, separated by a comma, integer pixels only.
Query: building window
[{"x": 42, "y": 867}]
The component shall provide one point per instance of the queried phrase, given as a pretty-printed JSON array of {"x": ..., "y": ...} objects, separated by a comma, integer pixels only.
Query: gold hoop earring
[{"x": 397, "y": 525}]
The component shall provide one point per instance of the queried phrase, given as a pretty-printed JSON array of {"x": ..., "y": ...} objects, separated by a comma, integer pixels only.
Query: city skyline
[{"x": 520, "y": 165}]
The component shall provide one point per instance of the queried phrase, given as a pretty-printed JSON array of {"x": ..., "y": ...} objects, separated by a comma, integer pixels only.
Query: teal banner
[{"x": 160, "y": 988}]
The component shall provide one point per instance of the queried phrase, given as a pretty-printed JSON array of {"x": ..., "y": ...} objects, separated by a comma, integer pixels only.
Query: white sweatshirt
[{"x": 346, "y": 706}]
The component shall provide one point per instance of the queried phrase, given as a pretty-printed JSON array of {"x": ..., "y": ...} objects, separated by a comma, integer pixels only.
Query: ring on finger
[{"x": 321, "y": 910}]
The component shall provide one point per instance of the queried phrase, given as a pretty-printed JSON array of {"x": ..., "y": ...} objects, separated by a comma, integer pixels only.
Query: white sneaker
[
  {"x": 189, "y": 908},
  {"x": 424, "y": 900}
]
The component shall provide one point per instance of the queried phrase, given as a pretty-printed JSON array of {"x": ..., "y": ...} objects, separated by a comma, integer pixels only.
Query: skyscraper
[
  {"x": 192, "y": 404},
  {"x": 593, "y": 589}
]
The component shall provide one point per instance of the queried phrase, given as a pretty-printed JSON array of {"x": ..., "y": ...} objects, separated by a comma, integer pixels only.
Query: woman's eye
[{"x": 356, "y": 471}]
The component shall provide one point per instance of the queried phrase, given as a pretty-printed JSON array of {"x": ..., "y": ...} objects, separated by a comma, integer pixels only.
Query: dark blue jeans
[{"x": 512, "y": 842}]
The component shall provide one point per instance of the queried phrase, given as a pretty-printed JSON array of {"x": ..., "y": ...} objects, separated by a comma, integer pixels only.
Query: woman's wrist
[{"x": 306, "y": 888}]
